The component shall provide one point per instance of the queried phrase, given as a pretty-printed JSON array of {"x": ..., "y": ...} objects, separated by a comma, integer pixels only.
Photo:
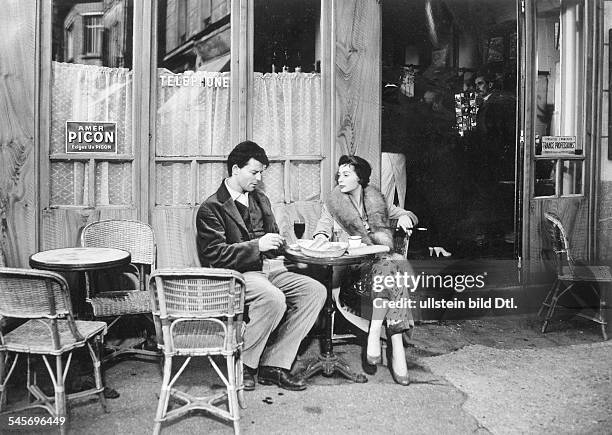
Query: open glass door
[
  {"x": 558, "y": 147},
  {"x": 450, "y": 91}
]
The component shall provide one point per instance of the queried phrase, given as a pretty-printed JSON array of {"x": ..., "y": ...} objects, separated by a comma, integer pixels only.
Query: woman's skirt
[{"x": 363, "y": 289}]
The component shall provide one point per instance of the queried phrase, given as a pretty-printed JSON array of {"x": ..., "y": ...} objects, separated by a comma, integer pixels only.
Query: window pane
[
  {"x": 209, "y": 178},
  {"x": 305, "y": 181},
  {"x": 287, "y": 94},
  {"x": 68, "y": 183},
  {"x": 193, "y": 86},
  {"x": 91, "y": 83},
  {"x": 560, "y": 54},
  {"x": 172, "y": 184},
  {"x": 273, "y": 182},
  {"x": 114, "y": 183},
  {"x": 572, "y": 177},
  {"x": 545, "y": 178}
]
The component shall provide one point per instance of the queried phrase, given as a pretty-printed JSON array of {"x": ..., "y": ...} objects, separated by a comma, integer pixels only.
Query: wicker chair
[
  {"x": 199, "y": 311},
  {"x": 44, "y": 299},
  {"x": 139, "y": 240},
  {"x": 571, "y": 274}
]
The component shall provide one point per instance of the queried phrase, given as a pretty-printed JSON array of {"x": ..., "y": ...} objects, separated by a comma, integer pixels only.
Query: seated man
[{"x": 237, "y": 230}]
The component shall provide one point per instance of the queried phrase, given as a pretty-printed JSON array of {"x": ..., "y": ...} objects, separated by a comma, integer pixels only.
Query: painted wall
[{"x": 17, "y": 177}]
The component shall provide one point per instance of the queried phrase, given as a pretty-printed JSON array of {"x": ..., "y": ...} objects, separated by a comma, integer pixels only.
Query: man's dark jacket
[{"x": 223, "y": 238}]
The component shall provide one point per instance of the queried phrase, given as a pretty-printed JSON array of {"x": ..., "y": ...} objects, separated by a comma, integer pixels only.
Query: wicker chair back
[
  {"x": 135, "y": 237},
  {"x": 33, "y": 294}
]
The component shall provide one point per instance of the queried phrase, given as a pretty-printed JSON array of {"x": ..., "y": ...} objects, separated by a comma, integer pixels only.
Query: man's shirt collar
[{"x": 242, "y": 198}]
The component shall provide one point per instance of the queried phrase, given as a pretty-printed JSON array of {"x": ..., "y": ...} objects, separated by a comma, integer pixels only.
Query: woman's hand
[{"x": 406, "y": 224}]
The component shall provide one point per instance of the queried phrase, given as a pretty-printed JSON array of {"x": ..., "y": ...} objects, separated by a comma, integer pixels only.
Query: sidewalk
[{"x": 494, "y": 375}]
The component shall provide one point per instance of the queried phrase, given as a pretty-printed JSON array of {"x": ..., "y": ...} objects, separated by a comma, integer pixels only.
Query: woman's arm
[
  {"x": 325, "y": 226},
  {"x": 396, "y": 212}
]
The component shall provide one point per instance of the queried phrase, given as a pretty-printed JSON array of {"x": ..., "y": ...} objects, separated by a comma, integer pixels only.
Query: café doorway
[{"x": 449, "y": 110}]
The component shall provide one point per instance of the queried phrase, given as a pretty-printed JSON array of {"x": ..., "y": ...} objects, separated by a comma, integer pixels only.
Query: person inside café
[
  {"x": 236, "y": 229},
  {"x": 491, "y": 148},
  {"x": 356, "y": 208}
]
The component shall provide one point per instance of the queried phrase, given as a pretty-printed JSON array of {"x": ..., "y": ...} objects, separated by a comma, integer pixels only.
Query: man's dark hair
[
  {"x": 245, "y": 151},
  {"x": 361, "y": 166}
]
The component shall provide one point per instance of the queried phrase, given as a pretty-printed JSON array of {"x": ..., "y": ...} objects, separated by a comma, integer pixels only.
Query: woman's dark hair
[
  {"x": 361, "y": 166},
  {"x": 245, "y": 151}
]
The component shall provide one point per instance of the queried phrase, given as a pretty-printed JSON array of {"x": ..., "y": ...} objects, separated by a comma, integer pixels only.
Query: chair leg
[
  {"x": 602, "y": 310},
  {"x": 552, "y": 305},
  {"x": 240, "y": 382},
  {"x": 232, "y": 398},
  {"x": 547, "y": 299},
  {"x": 3, "y": 379},
  {"x": 164, "y": 395},
  {"x": 61, "y": 407},
  {"x": 96, "y": 359}
]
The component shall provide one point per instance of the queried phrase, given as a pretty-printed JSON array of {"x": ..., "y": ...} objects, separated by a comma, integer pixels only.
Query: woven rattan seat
[
  {"x": 199, "y": 313},
  {"x": 126, "y": 303},
  {"x": 139, "y": 240},
  {"x": 35, "y": 336},
  {"x": 571, "y": 274},
  {"x": 44, "y": 299}
]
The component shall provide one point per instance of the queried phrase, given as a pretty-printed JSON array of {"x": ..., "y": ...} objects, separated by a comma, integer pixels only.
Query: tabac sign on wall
[{"x": 91, "y": 137}]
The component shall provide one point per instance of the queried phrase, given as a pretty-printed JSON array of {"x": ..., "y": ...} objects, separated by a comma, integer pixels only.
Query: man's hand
[
  {"x": 270, "y": 242},
  {"x": 406, "y": 224}
]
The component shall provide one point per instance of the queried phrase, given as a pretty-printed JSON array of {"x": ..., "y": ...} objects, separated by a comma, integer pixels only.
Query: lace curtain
[
  {"x": 287, "y": 113},
  {"x": 191, "y": 121},
  {"x": 194, "y": 120},
  {"x": 90, "y": 93}
]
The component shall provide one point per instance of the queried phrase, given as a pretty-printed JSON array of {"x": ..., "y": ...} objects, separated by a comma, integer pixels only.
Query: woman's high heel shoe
[
  {"x": 438, "y": 250},
  {"x": 402, "y": 380},
  {"x": 368, "y": 362}
]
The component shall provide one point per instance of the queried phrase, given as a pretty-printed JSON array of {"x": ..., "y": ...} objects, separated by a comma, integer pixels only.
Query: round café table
[
  {"x": 327, "y": 362},
  {"x": 79, "y": 260}
]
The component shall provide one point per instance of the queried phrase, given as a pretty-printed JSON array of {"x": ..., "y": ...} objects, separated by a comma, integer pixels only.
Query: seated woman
[{"x": 356, "y": 209}]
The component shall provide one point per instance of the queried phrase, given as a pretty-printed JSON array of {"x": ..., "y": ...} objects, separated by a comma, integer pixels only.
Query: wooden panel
[
  {"x": 193, "y": 18},
  {"x": 17, "y": 156},
  {"x": 171, "y": 25},
  {"x": 176, "y": 236},
  {"x": 358, "y": 80},
  {"x": 604, "y": 229},
  {"x": 61, "y": 227}
]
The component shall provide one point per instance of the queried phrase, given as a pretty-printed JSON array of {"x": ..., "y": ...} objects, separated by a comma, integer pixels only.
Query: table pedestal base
[{"x": 330, "y": 364}]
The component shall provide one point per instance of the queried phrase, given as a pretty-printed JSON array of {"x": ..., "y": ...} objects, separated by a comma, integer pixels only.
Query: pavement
[{"x": 491, "y": 375}]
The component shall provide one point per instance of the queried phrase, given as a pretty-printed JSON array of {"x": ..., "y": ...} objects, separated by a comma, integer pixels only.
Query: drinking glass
[{"x": 299, "y": 228}]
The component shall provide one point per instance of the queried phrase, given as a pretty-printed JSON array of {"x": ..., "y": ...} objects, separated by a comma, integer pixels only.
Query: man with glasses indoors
[{"x": 237, "y": 230}]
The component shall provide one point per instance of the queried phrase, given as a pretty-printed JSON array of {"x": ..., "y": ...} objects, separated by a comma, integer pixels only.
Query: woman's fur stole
[{"x": 344, "y": 212}]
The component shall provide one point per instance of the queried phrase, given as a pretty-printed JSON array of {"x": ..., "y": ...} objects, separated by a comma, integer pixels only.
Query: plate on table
[{"x": 324, "y": 250}]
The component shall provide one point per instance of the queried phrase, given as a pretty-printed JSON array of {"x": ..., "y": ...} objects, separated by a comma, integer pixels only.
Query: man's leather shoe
[
  {"x": 281, "y": 377},
  {"x": 248, "y": 378}
]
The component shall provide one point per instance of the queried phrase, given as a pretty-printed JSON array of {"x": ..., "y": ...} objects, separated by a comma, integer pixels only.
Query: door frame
[{"x": 592, "y": 100}]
